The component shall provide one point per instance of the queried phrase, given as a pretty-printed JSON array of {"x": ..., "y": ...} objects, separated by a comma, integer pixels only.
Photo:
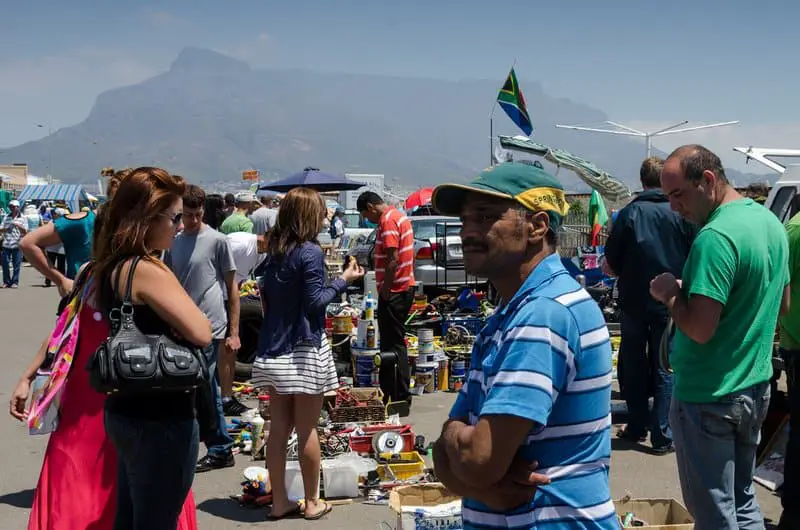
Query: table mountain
[{"x": 211, "y": 116}]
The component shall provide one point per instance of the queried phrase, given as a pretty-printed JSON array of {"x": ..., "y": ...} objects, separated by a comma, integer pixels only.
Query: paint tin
[
  {"x": 365, "y": 365},
  {"x": 458, "y": 368},
  {"x": 342, "y": 325},
  {"x": 426, "y": 377}
]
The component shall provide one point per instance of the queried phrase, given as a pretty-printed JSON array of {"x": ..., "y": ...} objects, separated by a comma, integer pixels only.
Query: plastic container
[
  {"x": 294, "y": 482},
  {"x": 371, "y": 285},
  {"x": 339, "y": 479},
  {"x": 425, "y": 377},
  {"x": 363, "y": 444},
  {"x": 369, "y": 307},
  {"x": 413, "y": 465},
  {"x": 365, "y": 365},
  {"x": 458, "y": 368},
  {"x": 257, "y": 433},
  {"x": 263, "y": 406},
  {"x": 425, "y": 342}
]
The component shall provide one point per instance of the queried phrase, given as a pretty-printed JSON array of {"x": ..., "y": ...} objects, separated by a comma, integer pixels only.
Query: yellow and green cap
[{"x": 531, "y": 186}]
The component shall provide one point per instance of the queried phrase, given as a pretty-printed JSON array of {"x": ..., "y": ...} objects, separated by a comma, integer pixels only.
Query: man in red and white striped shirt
[{"x": 394, "y": 274}]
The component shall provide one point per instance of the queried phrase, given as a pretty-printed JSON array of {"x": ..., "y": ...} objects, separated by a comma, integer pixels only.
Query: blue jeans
[
  {"x": 220, "y": 443},
  {"x": 640, "y": 375},
  {"x": 155, "y": 470},
  {"x": 790, "y": 496},
  {"x": 13, "y": 257},
  {"x": 716, "y": 447}
]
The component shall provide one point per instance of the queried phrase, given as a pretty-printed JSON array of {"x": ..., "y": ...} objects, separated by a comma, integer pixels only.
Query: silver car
[{"x": 438, "y": 257}]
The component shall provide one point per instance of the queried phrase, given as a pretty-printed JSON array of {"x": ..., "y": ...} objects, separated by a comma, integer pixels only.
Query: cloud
[
  {"x": 722, "y": 140},
  {"x": 251, "y": 49},
  {"x": 161, "y": 18},
  {"x": 61, "y": 88}
]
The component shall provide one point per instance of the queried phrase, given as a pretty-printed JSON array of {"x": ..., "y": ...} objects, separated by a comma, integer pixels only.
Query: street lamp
[
  {"x": 49, "y": 148},
  {"x": 648, "y": 136}
]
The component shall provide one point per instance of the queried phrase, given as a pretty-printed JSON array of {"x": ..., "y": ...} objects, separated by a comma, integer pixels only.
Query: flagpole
[
  {"x": 491, "y": 137},
  {"x": 491, "y": 123}
]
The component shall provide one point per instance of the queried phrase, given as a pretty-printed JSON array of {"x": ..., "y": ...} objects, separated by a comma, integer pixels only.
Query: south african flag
[{"x": 510, "y": 98}]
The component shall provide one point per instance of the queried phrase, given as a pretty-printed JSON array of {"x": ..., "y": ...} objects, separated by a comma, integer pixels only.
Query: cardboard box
[
  {"x": 424, "y": 506},
  {"x": 660, "y": 514}
]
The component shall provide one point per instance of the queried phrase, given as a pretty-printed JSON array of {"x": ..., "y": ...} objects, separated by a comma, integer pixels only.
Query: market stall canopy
[
  {"x": 312, "y": 177},
  {"x": 609, "y": 187},
  {"x": 419, "y": 198},
  {"x": 72, "y": 194}
]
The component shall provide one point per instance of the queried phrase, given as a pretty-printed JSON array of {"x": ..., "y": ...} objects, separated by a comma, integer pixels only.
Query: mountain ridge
[{"x": 210, "y": 116}]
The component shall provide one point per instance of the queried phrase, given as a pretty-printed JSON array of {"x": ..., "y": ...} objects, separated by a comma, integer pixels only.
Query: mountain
[{"x": 211, "y": 116}]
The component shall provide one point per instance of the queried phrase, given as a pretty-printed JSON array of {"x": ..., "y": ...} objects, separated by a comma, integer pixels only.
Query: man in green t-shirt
[
  {"x": 790, "y": 351},
  {"x": 734, "y": 284},
  {"x": 239, "y": 220}
]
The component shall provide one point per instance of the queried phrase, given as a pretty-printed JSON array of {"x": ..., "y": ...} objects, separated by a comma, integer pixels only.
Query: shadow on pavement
[
  {"x": 230, "y": 510},
  {"x": 618, "y": 444},
  {"x": 19, "y": 499}
]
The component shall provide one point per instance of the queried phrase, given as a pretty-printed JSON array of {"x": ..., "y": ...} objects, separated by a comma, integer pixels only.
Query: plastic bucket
[
  {"x": 365, "y": 364},
  {"x": 425, "y": 377},
  {"x": 458, "y": 368}
]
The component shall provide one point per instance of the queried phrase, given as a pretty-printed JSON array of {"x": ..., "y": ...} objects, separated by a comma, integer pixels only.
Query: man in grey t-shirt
[
  {"x": 203, "y": 262},
  {"x": 264, "y": 218}
]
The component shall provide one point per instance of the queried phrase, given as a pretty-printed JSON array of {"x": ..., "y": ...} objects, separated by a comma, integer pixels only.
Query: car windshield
[
  {"x": 352, "y": 220},
  {"x": 433, "y": 228}
]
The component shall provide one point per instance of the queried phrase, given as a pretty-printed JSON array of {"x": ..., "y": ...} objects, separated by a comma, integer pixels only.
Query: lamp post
[
  {"x": 648, "y": 136},
  {"x": 49, "y": 149}
]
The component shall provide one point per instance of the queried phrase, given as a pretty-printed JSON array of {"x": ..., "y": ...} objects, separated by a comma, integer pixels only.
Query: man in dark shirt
[{"x": 646, "y": 239}]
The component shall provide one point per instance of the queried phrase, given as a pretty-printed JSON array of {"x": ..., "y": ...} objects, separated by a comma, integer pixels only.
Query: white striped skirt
[{"x": 305, "y": 370}]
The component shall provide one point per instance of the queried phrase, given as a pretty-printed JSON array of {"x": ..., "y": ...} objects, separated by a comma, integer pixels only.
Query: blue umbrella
[{"x": 312, "y": 177}]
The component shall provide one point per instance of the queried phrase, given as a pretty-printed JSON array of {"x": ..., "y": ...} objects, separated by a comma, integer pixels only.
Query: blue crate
[{"x": 473, "y": 324}]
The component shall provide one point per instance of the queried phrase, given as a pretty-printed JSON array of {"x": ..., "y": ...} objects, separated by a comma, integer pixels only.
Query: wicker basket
[{"x": 370, "y": 407}]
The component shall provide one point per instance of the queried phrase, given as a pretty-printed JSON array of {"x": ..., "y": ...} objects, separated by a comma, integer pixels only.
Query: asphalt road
[{"x": 26, "y": 316}]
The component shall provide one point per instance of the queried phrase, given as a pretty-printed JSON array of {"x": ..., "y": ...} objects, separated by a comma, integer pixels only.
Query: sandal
[
  {"x": 319, "y": 515},
  {"x": 292, "y": 513}
]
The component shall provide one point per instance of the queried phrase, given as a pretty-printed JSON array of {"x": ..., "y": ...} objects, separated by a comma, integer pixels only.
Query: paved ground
[{"x": 26, "y": 318}]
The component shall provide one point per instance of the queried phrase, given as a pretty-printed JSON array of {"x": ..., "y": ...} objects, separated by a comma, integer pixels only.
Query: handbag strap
[
  {"x": 125, "y": 309},
  {"x": 129, "y": 287},
  {"x": 128, "y": 296}
]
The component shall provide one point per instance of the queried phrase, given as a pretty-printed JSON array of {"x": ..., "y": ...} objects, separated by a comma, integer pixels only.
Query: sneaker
[
  {"x": 234, "y": 408},
  {"x": 15, "y": 286},
  {"x": 625, "y": 434},
  {"x": 664, "y": 450},
  {"x": 210, "y": 462}
]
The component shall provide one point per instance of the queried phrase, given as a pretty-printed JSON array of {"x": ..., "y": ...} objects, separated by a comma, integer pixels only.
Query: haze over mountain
[{"x": 211, "y": 116}]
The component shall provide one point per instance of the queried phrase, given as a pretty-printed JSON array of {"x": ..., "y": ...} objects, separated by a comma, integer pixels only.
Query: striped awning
[
  {"x": 609, "y": 187},
  {"x": 54, "y": 192}
]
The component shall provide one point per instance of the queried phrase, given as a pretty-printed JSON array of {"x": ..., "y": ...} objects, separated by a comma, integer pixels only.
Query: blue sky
[{"x": 644, "y": 63}]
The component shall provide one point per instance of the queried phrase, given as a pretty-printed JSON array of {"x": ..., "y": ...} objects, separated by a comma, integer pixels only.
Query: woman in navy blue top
[{"x": 294, "y": 360}]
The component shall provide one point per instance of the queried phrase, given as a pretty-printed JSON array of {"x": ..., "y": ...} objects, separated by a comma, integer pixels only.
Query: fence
[{"x": 570, "y": 237}]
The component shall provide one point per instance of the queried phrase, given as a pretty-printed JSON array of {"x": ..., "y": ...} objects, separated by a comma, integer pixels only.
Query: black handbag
[{"x": 132, "y": 362}]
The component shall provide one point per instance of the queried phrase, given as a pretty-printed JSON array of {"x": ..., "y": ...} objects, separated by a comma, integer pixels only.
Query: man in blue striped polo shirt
[{"x": 539, "y": 389}]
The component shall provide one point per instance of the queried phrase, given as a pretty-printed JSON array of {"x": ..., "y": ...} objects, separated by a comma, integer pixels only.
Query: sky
[{"x": 646, "y": 64}]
